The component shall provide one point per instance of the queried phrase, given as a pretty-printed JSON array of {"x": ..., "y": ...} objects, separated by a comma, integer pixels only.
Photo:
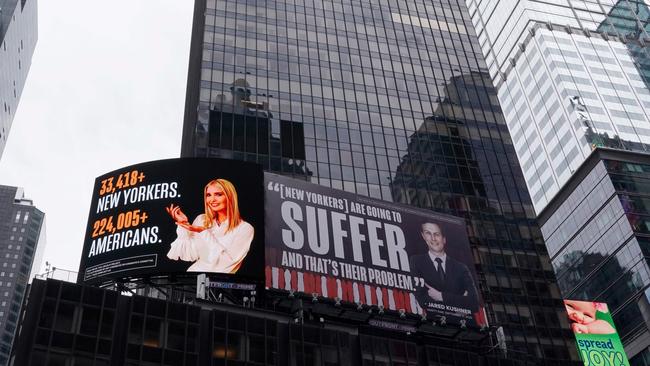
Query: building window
[
  {"x": 292, "y": 138},
  {"x": 236, "y": 131}
]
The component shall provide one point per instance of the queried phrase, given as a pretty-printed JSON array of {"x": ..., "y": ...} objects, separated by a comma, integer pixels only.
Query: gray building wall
[
  {"x": 18, "y": 35},
  {"x": 22, "y": 232}
]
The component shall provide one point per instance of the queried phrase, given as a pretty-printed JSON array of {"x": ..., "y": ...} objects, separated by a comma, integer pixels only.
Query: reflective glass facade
[
  {"x": 503, "y": 27},
  {"x": 591, "y": 83},
  {"x": 598, "y": 237},
  {"x": 18, "y": 33},
  {"x": 571, "y": 75},
  {"x": 390, "y": 99}
]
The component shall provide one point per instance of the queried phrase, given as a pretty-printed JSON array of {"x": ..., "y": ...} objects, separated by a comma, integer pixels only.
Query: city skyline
[
  {"x": 77, "y": 120},
  {"x": 89, "y": 108}
]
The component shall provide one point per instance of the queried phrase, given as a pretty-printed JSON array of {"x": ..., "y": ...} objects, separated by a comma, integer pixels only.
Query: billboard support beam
[{"x": 202, "y": 283}]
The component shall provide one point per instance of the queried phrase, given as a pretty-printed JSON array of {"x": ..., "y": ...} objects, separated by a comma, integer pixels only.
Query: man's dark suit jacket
[{"x": 458, "y": 280}]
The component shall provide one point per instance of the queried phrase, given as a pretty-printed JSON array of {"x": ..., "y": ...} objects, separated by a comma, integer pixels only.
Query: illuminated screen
[
  {"x": 596, "y": 336},
  {"x": 358, "y": 249},
  {"x": 176, "y": 216}
]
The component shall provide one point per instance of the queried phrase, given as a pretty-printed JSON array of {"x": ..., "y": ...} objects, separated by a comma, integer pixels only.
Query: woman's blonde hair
[{"x": 232, "y": 205}]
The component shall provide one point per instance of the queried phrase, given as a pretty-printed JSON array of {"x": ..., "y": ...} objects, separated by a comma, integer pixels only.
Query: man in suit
[{"x": 447, "y": 280}]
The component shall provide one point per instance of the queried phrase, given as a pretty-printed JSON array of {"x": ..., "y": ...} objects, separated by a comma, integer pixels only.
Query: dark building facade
[
  {"x": 389, "y": 99},
  {"x": 22, "y": 242},
  {"x": 598, "y": 232},
  {"x": 69, "y": 324}
]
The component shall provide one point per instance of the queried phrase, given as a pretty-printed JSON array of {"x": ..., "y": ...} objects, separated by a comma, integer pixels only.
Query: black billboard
[
  {"x": 176, "y": 216},
  {"x": 358, "y": 249}
]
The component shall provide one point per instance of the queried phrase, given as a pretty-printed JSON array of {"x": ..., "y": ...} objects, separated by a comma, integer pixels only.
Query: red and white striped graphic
[{"x": 331, "y": 287}]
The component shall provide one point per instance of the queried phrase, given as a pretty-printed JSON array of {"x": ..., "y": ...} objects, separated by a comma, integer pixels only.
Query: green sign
[{"x": 596, "y": 337}]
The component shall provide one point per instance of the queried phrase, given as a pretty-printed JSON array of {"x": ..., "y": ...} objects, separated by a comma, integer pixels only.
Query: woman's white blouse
[{"x": 213, "y": 250}]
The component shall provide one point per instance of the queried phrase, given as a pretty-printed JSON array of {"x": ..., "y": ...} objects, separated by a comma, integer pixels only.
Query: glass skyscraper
[
  {"x": 390, "y": 99},
  {"x": 597, "y": 231},
  {"x": 18, "y": 33},
  {"x": 572, "y": 77}
]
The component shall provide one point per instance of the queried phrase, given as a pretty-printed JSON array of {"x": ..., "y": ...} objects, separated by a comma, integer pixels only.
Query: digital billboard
[
  {"x": 176, "y": 216},
  {"x": 596, "y": 337},
  {"x": 358, "y": 249}
]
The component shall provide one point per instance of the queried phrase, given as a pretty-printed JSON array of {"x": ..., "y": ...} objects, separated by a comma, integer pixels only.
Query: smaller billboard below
[
  {"x": 340, "y": 245},
  {"x": 176, "y": 216},
  {"x": 596, "y": 337}
]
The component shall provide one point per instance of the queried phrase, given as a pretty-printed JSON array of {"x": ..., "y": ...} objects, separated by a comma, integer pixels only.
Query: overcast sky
[{"x": 106, "y": 89}]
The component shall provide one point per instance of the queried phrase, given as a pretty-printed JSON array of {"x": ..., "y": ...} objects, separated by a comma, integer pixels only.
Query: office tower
[
  {"x": 596, "y": 229},
  {"x": 22, "y": 242},
  {"x": 572, "y": 78},
  {"x": 18, "y": 33},
  {"x": 387, "y": 99}
]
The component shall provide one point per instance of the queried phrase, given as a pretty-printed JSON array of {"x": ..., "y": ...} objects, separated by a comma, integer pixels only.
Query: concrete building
[{"x": 22, "y": 243}]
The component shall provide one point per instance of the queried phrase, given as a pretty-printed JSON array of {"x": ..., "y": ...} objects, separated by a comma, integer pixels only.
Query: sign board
[
  {"x": 173, "y": 217},
  {"x": 358, "y": 249},
  {"x": 596, "y": 337}
]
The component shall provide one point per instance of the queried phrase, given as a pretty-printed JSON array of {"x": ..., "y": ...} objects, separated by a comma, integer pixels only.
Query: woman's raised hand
[
  {"x": 181, "y": 219},
  {"x": 176, "y": 214}
]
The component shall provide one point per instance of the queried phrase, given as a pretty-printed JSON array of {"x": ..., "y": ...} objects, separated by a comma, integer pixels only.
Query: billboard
[
  {"x": 340, "y": 245},
  {"x": 175, "y": 216},
  {"x": 596, "y": 337}
]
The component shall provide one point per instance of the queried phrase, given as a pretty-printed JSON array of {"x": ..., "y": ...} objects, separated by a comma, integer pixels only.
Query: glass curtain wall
[{"x": 390, "y": 99}]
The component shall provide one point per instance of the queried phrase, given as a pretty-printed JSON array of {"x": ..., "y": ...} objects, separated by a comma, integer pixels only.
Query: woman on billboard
[{"x": 217, "y": 240}]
